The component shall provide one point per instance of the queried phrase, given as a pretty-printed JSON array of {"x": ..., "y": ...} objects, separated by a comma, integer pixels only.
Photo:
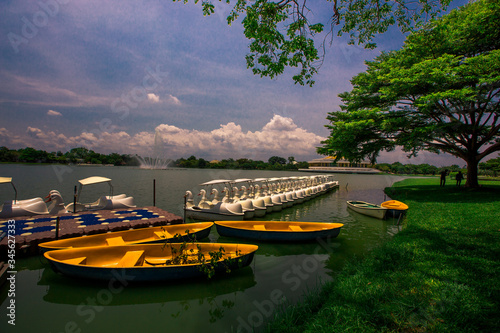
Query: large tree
[
  {"x": 282, "y": 34},
  {"x": 439, "y": 93}
]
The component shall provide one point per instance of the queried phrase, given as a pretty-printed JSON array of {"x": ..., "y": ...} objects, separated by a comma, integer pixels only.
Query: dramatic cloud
[
  {"x": 280, "y": 136},
  {"x": 53, "y": 113}
]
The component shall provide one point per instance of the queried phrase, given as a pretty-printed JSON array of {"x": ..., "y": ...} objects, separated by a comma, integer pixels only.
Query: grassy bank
[{"x": 440, "y": 274}]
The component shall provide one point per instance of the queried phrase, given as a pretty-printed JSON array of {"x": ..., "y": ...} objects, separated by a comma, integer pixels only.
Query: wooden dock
[{"x": 33, "y": 230}]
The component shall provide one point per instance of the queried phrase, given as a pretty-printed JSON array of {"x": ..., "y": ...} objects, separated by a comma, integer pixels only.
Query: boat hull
[
  {"x": 207, "y": 215},
  {"x": 102, "y": 263},
  {"x": 367, "y": 209},
  {"x": 274, "y": 231},
  {"x": 160, "y": 234},
  {"x": 29, "y": 207},
  {"x": 394, "y": 208}
]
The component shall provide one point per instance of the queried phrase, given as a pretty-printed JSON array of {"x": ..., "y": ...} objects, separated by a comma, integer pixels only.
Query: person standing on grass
[
  {"x": 444, "y": 172},
  {"x": 459, "y": 178}
]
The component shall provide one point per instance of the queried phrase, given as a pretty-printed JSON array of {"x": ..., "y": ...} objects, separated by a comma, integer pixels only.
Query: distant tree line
[
  {"x": 87, "y": 156},
  {"x": 273, "y": 163},
  {"x": 488, "y": 168},
  {"x": 74, "y": 156}
]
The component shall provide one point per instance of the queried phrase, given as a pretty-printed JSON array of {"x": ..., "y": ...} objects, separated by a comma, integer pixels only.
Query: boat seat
[
  {"x": 295, "y": 228},
  {"x": 163, "y": 234},
  {"x": 76, "y": 261},
  {"x": 113, "y": 241},
  {"x": 131, "y": 258},
  {"x": 259, "y": 227}
]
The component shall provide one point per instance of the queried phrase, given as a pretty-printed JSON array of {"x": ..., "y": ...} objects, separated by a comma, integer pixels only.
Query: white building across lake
[{"x": 328, "y": 164}]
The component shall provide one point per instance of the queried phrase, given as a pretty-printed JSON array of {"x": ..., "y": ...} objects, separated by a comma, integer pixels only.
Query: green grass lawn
[{"x": 440, "y": 274}]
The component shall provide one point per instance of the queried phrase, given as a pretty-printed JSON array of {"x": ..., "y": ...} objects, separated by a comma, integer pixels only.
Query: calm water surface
[{"x": 280, "y": 273}]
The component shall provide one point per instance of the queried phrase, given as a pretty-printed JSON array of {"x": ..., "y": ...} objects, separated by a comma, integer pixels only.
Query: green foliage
[
  {"x": 439, "y": 93},
  {"x": 274, "y": 163},
  {"x": 282, "y": 36},
  {"x": 277, "y": 160},
  {"x": 75, "y": 155},
  {"x": 409, "y": 169},
  {"x": 492, "y": 165},
  {"x": 186, "y": 251}
]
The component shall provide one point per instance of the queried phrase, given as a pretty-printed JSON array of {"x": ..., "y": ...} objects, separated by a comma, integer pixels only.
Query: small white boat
[
  {"x": 367, "y": 208},
  {"x": 109, "y": 202},
  {"x": 15, "y": 208}
]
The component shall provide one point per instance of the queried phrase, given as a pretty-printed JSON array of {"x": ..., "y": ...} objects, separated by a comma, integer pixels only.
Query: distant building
[{"x": 329, "y": 162}]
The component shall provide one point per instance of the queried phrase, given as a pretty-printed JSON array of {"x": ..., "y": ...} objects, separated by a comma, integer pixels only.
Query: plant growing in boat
[{"x": 183, "y": 254}]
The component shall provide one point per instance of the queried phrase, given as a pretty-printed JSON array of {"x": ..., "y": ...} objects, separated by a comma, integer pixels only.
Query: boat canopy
[
  {"x": 93, "y": 180},
  {"x": 260, "y": 180},
  {"x": 5, "y": 180},
  {"x": 242, "y": 180},
  {"x": 216, "y": 181}
]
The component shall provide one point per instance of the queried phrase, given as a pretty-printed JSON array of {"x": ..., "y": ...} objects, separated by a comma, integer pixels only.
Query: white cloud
[
  {"x": 53, "y": 113},
  {"x": 174, "y": 100},
  {"x": 153, "y": 98},
  {"x": 280, "y": 136},
  {"x": 279, "y": 123}
]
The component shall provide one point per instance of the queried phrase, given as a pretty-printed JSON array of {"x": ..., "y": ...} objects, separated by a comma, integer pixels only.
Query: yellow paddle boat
[
  {"x": 135, "y": 236},
  {"x": 278, "y": 231},
  {"x": 149, "y": 262}
]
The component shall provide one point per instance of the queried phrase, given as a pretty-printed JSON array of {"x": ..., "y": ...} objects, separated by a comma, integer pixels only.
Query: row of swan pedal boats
[
  {"x": 173, "y": 252},
  {"x": 245, "y": 199}
]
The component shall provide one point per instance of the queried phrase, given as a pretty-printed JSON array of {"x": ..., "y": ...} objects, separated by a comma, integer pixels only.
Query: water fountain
[{"x": 157, "y": 160}]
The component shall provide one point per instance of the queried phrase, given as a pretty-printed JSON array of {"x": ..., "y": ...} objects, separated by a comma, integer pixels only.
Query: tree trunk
[{"x": 472, "y": 171}]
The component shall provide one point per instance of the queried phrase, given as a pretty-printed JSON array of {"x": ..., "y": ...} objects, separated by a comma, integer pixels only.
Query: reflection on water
[{"x": 237, "y": 302}]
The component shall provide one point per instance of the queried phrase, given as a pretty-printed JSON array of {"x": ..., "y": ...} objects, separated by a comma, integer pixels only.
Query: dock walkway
[{"x": 33, "y": 230}]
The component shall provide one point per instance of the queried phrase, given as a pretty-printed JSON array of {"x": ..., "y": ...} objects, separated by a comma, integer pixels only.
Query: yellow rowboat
[
  {"x": 394, "y": 207},
  {"x": 135, "y": 236},
  {"x": 149, "y": 262},
  {"x": 278, "y": 231},
  {"x": 367, "y": 208},
  {"x": 394, "y": 204}
]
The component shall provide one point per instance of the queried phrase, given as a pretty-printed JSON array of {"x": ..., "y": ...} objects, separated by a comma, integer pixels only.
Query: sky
[{"x": 157, "y": 78}]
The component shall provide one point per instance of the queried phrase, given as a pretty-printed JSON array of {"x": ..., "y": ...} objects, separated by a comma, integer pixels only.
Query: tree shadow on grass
[{"x": 446, "y": 194}]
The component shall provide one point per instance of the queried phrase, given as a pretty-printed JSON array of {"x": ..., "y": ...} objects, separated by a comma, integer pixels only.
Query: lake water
[{"x": 279, "y": 275}]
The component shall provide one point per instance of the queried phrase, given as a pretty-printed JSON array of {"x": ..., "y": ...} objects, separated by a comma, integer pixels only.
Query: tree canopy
[
  {"x": 439, "y": 93},
  {"x": 282, "y": 34}
]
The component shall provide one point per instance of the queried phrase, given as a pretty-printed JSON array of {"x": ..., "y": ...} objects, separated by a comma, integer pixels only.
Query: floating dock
[{"x": 33, "y": 230}]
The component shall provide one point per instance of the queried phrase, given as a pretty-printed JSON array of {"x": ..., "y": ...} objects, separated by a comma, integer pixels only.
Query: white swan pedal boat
[
  {"x": 109, "y": 202},
  {"x": 27, "y": 207}
]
